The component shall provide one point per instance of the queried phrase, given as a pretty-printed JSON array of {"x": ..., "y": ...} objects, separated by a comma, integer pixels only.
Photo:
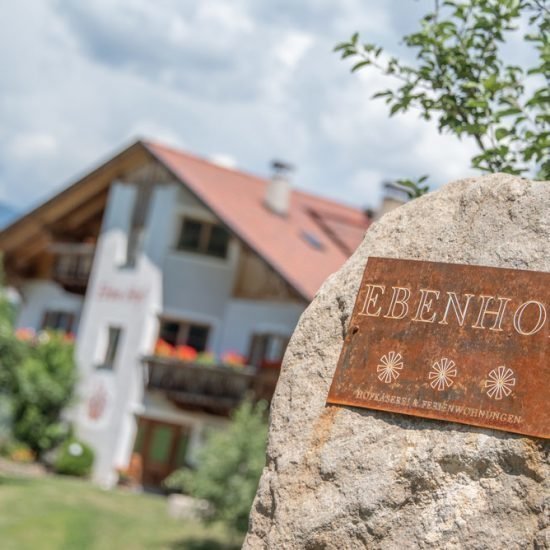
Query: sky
[{"x": 242, "y": 81}]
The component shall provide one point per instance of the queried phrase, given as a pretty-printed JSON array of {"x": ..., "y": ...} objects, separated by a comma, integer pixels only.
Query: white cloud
[
  {"x": 178, "y": 30},
  {"x": 444, "y": 156},
  {"x": 227, "y": 15},
  {"x": 27, "y": 147},
  {"x": 154, "y": 131},
  {"x": 404, "y": 146},
  {"x": 292, "y": 48},
  {"x": 256, "y": 80},
  {"x": 367, "y": 184}
]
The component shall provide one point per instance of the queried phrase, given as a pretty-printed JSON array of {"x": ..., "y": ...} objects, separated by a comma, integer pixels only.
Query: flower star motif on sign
[
  {"x": 390, "y": 365},
  {"x": 442, "y": 374},
  {"x": 500, "y": 383}
]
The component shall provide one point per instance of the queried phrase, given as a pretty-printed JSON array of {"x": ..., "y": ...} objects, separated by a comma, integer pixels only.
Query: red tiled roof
[{"x": 304, "y": 247}]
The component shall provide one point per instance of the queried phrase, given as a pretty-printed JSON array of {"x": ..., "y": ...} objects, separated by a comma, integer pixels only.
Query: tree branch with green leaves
[{"x": 461, "y": 79}]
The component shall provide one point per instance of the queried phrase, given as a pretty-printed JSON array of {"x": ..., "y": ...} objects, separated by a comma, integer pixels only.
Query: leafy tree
[
  {"x": 12, "y": 353},
  {"x": 7, "y": 309},
  {"x": 37, "y": 377},
  {"x": 42, "y": 385},
  {"x": 229, "y": 467},
  {"x": 461, "y": 79}
]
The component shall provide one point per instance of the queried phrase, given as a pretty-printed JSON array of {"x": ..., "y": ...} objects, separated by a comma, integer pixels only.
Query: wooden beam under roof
[
  {"x": 85, "y": 212},
  {"x": 27, "y": 228},
  {"x": 41, "y": 242}
]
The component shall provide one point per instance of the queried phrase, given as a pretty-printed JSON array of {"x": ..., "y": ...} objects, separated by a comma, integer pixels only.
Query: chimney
[
  {"x": 394, "y": 195},
  {"x": 277, "y": 197}
]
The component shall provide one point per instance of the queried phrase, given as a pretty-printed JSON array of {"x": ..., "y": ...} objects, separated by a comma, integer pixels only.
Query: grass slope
[{"x": 56, "y": 513}]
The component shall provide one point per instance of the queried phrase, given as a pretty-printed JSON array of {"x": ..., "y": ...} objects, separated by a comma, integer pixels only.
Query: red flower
[
  {"x": 164, "y": 349},
  {"x": 186, "y": 353},
  {"x": 233, "y": 358},
  {"x": 25, "y": 334}
]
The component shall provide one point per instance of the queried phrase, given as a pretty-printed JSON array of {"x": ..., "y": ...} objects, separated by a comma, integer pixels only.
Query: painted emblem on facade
[
  {"x": 97, "y": 406},
  {"x": 390, "y": 366},
  {"x": 442, "y": 374},
  {"x": 97, "y": 402},
  {"x": 500, "y": 383}
]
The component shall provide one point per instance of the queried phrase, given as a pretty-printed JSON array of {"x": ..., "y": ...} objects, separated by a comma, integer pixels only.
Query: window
[
  {"x": 204, "y": 238},
  {"x": 73, "y": 266},
  {"x": 112, "y": 347},
  {"x": 312, "y": 240},
  {"x": 58, "y": 320},
  {"x": 182, "y": 333},
  {"x": 190, "y": 235},
  {"x": 217, "y": 241},
  {"x": 267, "y": 349}
]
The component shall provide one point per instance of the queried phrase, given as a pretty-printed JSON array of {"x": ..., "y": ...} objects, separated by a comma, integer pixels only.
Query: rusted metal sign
[{"x": 452, "y": 342}]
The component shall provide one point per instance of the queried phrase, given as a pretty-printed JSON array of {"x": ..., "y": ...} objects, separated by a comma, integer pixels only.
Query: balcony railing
[
  {"x": 72, "y": 265},
  {"x": 212, "y": 388}
]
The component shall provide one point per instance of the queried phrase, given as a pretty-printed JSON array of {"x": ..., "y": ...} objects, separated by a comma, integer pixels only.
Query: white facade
[
  {"x": 164, "y": 282},
  {"x": 39, "y": 296}
]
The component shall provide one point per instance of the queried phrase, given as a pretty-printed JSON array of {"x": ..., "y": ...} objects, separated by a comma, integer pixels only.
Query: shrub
[
  {"x": 42, "y": 385},
  {"x": 175, "y": 482},
  {"x": 74, "y": 458},
  {"x": 37, "y": 375},
  {"x": 229, "y": 467},
  {"x": 12, "y": 353}
]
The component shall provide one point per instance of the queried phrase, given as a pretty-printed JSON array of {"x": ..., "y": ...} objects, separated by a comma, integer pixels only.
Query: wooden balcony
[
  {"x": 72, "y": 265},
  {"x": 216, "y": 389}
]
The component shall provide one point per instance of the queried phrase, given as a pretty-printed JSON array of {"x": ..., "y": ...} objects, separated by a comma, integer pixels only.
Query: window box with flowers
[{"x": 192, "y": 378}]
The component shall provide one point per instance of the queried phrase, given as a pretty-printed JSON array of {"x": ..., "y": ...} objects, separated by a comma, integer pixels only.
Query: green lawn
[{"x": 56, "y": 513}]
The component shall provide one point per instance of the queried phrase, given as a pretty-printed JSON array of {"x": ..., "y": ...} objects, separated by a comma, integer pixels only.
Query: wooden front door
[{"x": 162, "y": 446}]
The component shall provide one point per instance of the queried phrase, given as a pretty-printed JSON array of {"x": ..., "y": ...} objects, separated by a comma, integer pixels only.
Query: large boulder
[{"x": 342, "y": 477}]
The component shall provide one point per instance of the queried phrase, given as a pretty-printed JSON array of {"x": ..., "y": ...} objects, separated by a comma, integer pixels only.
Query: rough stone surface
[{"x": 339, "y": 477}]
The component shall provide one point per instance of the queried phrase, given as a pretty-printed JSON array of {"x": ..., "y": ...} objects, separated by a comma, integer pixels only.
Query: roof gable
[
  {"x": 85, "y": 193},
  {"x": 304, "y": 247}
]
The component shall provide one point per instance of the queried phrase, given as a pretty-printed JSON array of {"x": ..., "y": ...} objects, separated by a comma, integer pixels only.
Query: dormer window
[{"x": 203, "y": 237}]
